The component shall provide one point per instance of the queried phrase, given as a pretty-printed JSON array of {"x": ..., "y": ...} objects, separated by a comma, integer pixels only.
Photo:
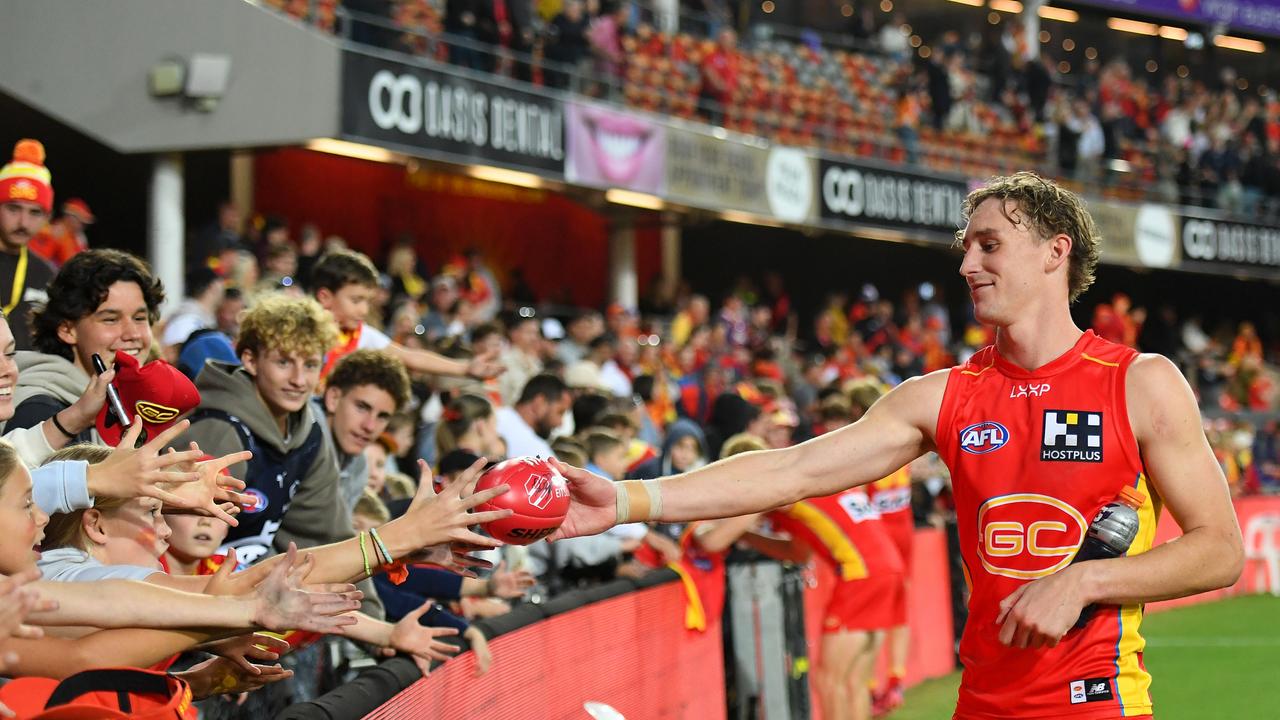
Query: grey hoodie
[
  {"x": 316, "y": 515},
  {"x": 46, "y": 385}
]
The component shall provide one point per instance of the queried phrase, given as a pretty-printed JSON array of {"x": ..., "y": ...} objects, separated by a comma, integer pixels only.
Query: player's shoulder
[
  {"x": 1155, "y": 392},
  {"x": 1153, "y": 373}
]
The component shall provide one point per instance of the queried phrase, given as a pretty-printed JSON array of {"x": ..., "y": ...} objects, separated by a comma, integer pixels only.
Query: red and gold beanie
[{"x": 25, "y": 178}]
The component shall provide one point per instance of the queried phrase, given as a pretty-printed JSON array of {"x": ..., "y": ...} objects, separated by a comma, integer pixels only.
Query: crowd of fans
[
  {"x": 353, "y": 384},
  {"x": 979, "y": 101}
]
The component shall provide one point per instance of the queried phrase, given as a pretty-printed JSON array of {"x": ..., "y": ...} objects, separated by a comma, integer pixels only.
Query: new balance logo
[
  {"x": 1090, "y": 690},
  {"x": 1072, "y": 436}
]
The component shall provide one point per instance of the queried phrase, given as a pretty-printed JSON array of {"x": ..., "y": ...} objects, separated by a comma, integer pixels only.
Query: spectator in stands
[
  {"x": 527, "y": 426},
  {"x": 280, "y": 267},
  {"x": 482, "y": 288},
  {"x": 364, "y": 391},
  {"x": 1089, "y": 146},
  {"x": 26, "y": 200},
  {"x": 567, "y": 43},
  {"x": 263, "y": 405},
  {"x": 938, "y": 82},
  {"x": 585, "y": 326},
  {"x": 522, "y": 357},
  {"x": 605, "y": 37},
  {"x": 1039, "y": 78},
  {"x": 473, "y": 22},
  {"x": 720, "y": 70},
  {"x": 693, "y": 316},
  {"x": 469, "y": 423},
  {"x": 906, "y": 123},
  {"x": 205, "y": 292},
  {"x": 101, "y": 302},
  {"x": 217, "y": 238},
  {"x": 893, "y": 38},
  {"x": 64, "y": 237},
  {"x": 442, "y": 319},
  {"x": 344, "y": 283}
]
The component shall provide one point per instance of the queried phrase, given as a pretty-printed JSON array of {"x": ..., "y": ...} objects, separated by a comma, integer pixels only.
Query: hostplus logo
[{"x": 1072, "y": 436}]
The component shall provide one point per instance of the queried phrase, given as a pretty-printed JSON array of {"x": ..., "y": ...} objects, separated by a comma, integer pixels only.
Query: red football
[{"x": 537, "y": 494}]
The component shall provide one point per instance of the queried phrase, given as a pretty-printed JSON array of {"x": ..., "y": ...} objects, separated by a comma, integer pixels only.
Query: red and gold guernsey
[
  {"x": 1033, "y": 456},
  {"x": 843, "y": 529}
]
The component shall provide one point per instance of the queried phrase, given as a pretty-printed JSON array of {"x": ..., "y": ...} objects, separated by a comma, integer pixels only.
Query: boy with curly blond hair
[{"x": 264, "y": 405}]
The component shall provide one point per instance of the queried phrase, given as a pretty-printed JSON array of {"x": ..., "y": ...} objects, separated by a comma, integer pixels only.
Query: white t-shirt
[
  {"x": 74, "y": 565},
  {"x": 371, "y": 338},
  {"x": 520, "y": 438}
]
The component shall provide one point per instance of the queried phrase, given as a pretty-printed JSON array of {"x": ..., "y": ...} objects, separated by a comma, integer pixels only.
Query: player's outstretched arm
[
  {"x": 1182, "y": 470},
  {"x": 897, "y": 430}
]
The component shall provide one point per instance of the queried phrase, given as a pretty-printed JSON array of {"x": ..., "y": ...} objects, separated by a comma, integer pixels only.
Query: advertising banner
[
  {"x": 894, "y": 198},
  {"x": 1224, "y": 246},
  {"x": 711, "y": 172},
  {"x": 613, "y": 149},
  {"x": 425, "y": 111},
  {"x": 1260, "y": 16},
  {"x": 1139, "y": 235}
]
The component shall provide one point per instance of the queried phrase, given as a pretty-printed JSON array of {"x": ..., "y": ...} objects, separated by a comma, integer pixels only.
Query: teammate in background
[
  {"x": 891, "y": 497},
  {"x": 1039, "y": 431},
  {"x": 343, "y": 282}
]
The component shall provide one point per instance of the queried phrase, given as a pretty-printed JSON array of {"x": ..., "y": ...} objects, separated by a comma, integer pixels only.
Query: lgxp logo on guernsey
[
  {"x": 984, "y": 437},
  {"x": 1027, "y": 536}
]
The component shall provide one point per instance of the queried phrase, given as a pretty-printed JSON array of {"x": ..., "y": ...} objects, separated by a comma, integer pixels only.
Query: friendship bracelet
[
  {"x": 70, "y": 435},
  {"x": 364, "y": 553},
  {"x": 397, "y": 573},
  {"x": 386, "y": 555}
]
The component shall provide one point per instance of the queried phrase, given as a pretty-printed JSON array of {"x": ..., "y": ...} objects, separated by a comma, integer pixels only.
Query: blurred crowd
[{"x": 978, "y": 100}]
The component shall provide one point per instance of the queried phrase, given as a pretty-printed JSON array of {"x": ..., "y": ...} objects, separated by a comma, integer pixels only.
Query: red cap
[
  {"x": 79, "y": 209},
  {"x": 157, "y": 392}
]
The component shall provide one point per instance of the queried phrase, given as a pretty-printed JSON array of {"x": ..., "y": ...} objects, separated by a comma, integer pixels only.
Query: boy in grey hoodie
[{"x": 101, "y": 301}]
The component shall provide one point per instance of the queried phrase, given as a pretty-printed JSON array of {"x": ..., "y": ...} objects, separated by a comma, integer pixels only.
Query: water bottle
[{"x": 1110, "y": 534}]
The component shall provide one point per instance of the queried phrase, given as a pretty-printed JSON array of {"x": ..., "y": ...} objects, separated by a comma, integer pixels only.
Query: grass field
[{"x": 1220, "y": 660}]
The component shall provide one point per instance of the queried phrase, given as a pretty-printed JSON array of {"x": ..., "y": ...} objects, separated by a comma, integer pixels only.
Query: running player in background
[
  {"x": 1039, "y": 431},
  {"x": 891, "y": 497}
]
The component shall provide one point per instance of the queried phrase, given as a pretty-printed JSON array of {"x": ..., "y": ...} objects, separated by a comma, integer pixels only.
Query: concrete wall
[{"x": 86, "y": 63}]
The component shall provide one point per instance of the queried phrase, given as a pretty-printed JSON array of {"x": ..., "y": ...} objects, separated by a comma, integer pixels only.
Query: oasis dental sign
[
  {"x": 881, "y": 197},
  {"x": 432, "y": 110},
  {"x": 1229, "y": 243}
]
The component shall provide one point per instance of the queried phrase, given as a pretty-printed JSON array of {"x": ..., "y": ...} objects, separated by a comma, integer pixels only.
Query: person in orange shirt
[{"x": 63, "y": 238}]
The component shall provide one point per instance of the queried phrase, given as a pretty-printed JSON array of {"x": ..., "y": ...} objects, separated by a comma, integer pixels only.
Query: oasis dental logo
[{"x": 984, "y": 437}]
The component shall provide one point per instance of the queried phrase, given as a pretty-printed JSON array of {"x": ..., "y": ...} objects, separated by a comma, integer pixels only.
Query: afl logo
[
  {"x": 984, "y": 437},
  {"x": 258, "y": 506},
  {"x": 1027, "y": 536}
]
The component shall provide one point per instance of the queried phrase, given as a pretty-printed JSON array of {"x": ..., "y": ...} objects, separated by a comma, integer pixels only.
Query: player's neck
[{"x": 1037, "y": 341}]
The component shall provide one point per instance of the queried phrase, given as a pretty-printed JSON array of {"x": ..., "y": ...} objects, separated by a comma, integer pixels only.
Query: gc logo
[{"x": 1027, "y": 536}]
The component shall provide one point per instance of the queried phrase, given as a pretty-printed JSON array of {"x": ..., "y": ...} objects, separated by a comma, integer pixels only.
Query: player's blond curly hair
[
  {"x": 1049, "y": 210},
  {"x": 294, "y": 326}
]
